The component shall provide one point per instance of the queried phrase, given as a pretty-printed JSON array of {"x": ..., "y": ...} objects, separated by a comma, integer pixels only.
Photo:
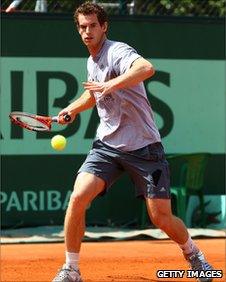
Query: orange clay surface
[{"x": 105, "y": 261}]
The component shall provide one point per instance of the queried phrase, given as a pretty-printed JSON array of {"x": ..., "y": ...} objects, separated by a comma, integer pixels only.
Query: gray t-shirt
[{"x": 126, "y": 117}]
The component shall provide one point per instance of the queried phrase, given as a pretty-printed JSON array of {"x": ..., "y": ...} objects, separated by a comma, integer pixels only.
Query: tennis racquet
[{"x": 34, "y": 122}]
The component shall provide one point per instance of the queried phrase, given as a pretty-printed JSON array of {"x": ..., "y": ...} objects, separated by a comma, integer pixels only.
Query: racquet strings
[{"x": 31, "y": 122}]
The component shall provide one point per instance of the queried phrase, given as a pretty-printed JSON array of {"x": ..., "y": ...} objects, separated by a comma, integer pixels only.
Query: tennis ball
[{"x": 58, "y": 142}]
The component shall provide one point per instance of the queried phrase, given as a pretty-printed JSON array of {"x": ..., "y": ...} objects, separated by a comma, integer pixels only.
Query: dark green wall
[{"x": 56, "y": 36}]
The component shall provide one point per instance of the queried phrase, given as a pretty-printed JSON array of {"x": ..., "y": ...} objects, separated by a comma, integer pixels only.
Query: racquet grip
[{"x": 66, "y": 118}]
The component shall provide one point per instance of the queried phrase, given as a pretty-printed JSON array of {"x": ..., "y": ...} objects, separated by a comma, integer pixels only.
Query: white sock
[
  {"x": 189, "y": 246},
  {"x": 72, "y": 259}
]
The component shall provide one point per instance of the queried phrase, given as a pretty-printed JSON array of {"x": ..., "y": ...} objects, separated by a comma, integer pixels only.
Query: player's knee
[{"x": 78, "y": 202}]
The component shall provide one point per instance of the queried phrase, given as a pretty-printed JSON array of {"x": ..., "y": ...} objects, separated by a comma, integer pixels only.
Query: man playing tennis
[{"x": 127, "y": 140}]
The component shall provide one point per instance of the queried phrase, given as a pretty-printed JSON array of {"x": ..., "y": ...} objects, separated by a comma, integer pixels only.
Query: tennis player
[{"x": 127, "y": 141}]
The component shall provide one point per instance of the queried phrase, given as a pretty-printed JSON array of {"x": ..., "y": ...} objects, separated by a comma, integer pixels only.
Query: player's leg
[
  {"x": 96, "y": 175},
  {"x": 161, "y": 215},
  {"x": 149, "y": 171},
  {"x": 87, "y": 186}
]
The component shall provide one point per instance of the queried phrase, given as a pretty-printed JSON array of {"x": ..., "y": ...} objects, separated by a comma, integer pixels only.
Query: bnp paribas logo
[
  {"x": 30, "y": 200},
  {"x": 44, "y": 86}
]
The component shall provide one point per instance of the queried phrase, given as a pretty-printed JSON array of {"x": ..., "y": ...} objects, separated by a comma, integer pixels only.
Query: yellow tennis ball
[{"x": 58, "y": 142}]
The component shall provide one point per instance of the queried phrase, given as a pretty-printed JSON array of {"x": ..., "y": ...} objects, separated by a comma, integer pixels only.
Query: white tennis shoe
[{"x": 68, "y": 274}]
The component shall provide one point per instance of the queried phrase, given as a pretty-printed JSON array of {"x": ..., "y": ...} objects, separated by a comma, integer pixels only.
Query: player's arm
[
  {"x": 140, "y": 70},
  {"x": 84, "y": 102}
]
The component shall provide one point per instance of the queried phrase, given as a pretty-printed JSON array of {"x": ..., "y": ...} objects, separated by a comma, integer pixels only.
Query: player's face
[{"x": 92, "y": 33}]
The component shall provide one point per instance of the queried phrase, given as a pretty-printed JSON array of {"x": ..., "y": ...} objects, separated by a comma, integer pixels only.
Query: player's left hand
[{"x": 101, "y": 87}]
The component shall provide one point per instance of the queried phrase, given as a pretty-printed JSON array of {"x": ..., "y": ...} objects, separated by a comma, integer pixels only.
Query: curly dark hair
[{"x": 89, "y": 8}]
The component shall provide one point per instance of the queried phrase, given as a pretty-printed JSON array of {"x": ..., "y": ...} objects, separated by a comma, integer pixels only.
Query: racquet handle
[{"x": 67, "y": 118}]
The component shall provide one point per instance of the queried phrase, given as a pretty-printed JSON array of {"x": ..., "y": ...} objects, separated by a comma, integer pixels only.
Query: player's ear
[{"x": 105, "y": 26}]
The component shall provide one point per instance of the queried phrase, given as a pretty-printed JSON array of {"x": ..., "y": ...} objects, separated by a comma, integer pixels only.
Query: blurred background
[
  {"x": 207, "y": 8},
  {"x": 43, "y": 66}
]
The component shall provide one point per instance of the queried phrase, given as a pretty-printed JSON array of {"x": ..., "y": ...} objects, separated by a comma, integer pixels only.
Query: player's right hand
[{"x": 66, "y": 112}]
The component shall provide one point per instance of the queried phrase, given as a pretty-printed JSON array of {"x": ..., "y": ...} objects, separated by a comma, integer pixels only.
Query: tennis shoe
[
  {"x": 198, "y": 263},
  {"x": 68, "y": 274}
]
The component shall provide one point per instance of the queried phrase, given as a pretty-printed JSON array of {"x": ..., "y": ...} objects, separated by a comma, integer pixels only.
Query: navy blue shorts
[{"x": 147, "y": 168}]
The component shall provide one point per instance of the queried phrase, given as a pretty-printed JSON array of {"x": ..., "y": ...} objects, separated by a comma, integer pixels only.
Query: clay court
[{"x": 105, "y": 261}]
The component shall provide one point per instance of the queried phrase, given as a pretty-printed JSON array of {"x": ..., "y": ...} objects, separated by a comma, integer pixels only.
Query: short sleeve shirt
[{"x": 126, "y": 117}]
